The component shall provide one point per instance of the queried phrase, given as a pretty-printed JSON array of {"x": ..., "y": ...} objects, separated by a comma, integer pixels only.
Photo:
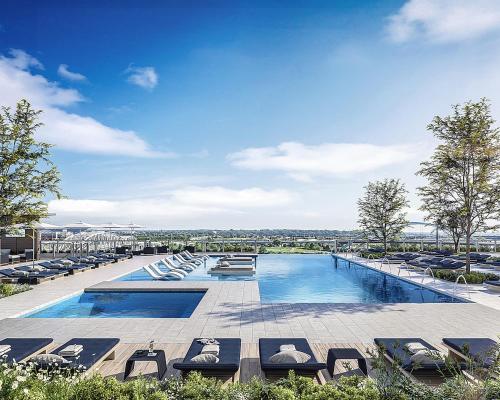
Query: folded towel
[
  {"x": 20, "y": 273},
  {"x": 210, "y": 349},
  {"x": 67, "y": 263},
  {"x": 414, "y": 347},
  {"x": 4, "y": 348},
  {"x": 71, "y": 350},
  {"x": 287, "y": 347},
  {"x": 207, "y": 341},
  {"x": 38, "y": 268}
]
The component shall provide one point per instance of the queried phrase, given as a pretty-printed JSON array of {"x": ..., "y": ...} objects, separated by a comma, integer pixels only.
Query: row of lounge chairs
[
  {"x": 57, "y": 268},
  {"x": 226, "y": 354},
  {"x": 174, "y": 268}
]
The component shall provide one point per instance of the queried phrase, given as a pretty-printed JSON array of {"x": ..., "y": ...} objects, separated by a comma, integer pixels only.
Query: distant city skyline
[{"x": 242, "y": 115}]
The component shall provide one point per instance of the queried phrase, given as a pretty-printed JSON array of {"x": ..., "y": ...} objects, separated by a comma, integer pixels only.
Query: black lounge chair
[
  {"x": 479, "y": 350},
  {"x": 229, "y": 359},
  {"x": 51, "y": 273},
  {"x": 10, "y": 275},
  {"x": 396, "y": 352},
  {"x": 269, "y": 347},
  {"x": 58, "y": 266},
  {"x": 94, "y": 352},
  {"x": 23, "y": 348}
]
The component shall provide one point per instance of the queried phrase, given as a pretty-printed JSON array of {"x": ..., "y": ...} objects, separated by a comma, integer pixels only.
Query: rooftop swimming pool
[
  {"x": 124, "y": 304},
  {"x": 318, "y": 278}
]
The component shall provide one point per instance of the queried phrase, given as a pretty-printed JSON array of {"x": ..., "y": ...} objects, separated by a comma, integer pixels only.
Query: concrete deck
[{"x": 233, "y": 309}]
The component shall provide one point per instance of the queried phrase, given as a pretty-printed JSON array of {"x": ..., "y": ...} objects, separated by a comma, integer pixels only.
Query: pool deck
[{"x": 233, "y": 309}]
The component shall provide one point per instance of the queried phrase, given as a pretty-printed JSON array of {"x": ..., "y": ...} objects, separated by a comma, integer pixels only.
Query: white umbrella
[
  {"x": 39, "y": 226},
  {"x": 81, "y": 226}
]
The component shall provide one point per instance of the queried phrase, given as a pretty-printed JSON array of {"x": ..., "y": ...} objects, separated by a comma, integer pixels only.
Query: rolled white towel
[
  {"x": 210, "y": 349},
  {"x": 287, "y": 347},
  {"x": 71, "y": 350}
]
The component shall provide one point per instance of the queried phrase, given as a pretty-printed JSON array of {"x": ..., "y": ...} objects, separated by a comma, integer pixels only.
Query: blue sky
[{"x": 241, "y": 114}]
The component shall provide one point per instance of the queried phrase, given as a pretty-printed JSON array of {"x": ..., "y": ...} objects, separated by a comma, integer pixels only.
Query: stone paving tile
[{"x": 233, "y": 309}]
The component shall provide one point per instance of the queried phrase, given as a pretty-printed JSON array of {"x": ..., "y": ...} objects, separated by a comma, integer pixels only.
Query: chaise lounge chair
[
  {"x": 481, "y": 351},
  {"x": 270, "y": 347},
  {"x": 229, "y": 359},
  {"x": 397, "y": 352},
  {"x": 155, "y": 267},
  {"x": 24, "y": 277},
  {"x": 170, "y": 264},
  {"x": 94, "y": 351},
  {"x": 167, "y": 276},
  {"x": 23, "y": 348}
]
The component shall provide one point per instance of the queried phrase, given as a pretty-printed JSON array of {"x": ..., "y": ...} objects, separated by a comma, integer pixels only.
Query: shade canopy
[
  {"x": 132, "y": 226},
  {"x": 43, "y": 225},
  {"x": 111, "y": 225},
  {"x": 80, "y": 225}
]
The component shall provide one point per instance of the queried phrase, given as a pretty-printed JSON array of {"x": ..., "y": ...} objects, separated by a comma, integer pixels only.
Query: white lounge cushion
[
  {"x": 290, "y": 357},
  {"x": 205, "y": 359},
  {"x": 426, "y": 357},
  {"x": 414, "y": 347},
  {"x": 210, "y": 349}
]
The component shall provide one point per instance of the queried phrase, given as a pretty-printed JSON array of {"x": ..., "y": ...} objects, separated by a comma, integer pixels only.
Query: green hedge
[
  {"x": 9, "y": 289},
  {"x": 472, "y": 277},
  {"x": 24, "y": 383}
]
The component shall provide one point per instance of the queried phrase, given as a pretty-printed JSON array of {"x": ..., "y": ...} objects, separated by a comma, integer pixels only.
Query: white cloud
[
  {"x": 64, "y": 129},
  {"x": 65, "y": 73},
  {"x": 304, "y": 162},
  {"x": 444, "y": 20},
  {"x": 145, "y": 77},
  {"x": 179, "y": 206}
]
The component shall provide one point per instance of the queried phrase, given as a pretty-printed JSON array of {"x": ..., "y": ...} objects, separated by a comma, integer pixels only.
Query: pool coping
[{"x": 440, "y": 291}]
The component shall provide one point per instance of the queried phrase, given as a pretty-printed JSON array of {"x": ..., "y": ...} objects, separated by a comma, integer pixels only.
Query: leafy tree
[
  {"x": 27, "y": 174},
  {"x": 381, "y": 208},
  {"x": 443, "y": 213},
  {"x": 465, "y": 169}
]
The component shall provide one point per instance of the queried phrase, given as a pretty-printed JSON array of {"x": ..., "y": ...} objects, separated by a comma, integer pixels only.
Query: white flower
[
  {"x": 20, "y": 378},
  {"x": 26, "y": 391},
  {"x": 15, "y": 385}
]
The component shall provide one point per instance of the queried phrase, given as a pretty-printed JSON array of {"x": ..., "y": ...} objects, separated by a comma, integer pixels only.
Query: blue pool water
[
  {"x": 124, "y": 304},
  {"x": 305, "y": 278}
]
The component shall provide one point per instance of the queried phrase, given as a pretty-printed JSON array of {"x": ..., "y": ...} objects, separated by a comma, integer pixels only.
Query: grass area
[
  {"x": 10, "y": 289},
  {"x": 288, "y": 250}
]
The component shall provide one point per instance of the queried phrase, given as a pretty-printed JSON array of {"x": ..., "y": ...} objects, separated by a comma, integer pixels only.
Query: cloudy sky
[{"x": 241, "y": 115}]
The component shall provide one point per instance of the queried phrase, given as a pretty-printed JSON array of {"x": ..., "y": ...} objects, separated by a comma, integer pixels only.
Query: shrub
[
  {"x": 9, "y": 289},
  {"x": 471, "y": 277}
]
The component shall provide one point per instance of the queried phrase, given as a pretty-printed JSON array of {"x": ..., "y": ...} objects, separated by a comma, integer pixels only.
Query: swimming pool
[
  {"x": 316, "y": 278},
  {"x": 124, "y": 304}
]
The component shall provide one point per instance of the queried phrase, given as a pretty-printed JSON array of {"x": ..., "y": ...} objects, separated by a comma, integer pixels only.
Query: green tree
[
  {"x": 27, "y": 174},
  {"x": 465, "y": 168},
  {"x": 381, "y": 210},
  {"x": 444, "y": 213}
]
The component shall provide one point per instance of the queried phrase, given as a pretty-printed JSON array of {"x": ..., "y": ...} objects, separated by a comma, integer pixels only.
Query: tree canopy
[
  {"x": 463, "y": 174},
  {"x": 381, "y": 210},
  {"x": 27, "y": 174}
]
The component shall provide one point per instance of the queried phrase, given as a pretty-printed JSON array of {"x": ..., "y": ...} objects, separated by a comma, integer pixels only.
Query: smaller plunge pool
[{"x": 123, "y": 304}]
